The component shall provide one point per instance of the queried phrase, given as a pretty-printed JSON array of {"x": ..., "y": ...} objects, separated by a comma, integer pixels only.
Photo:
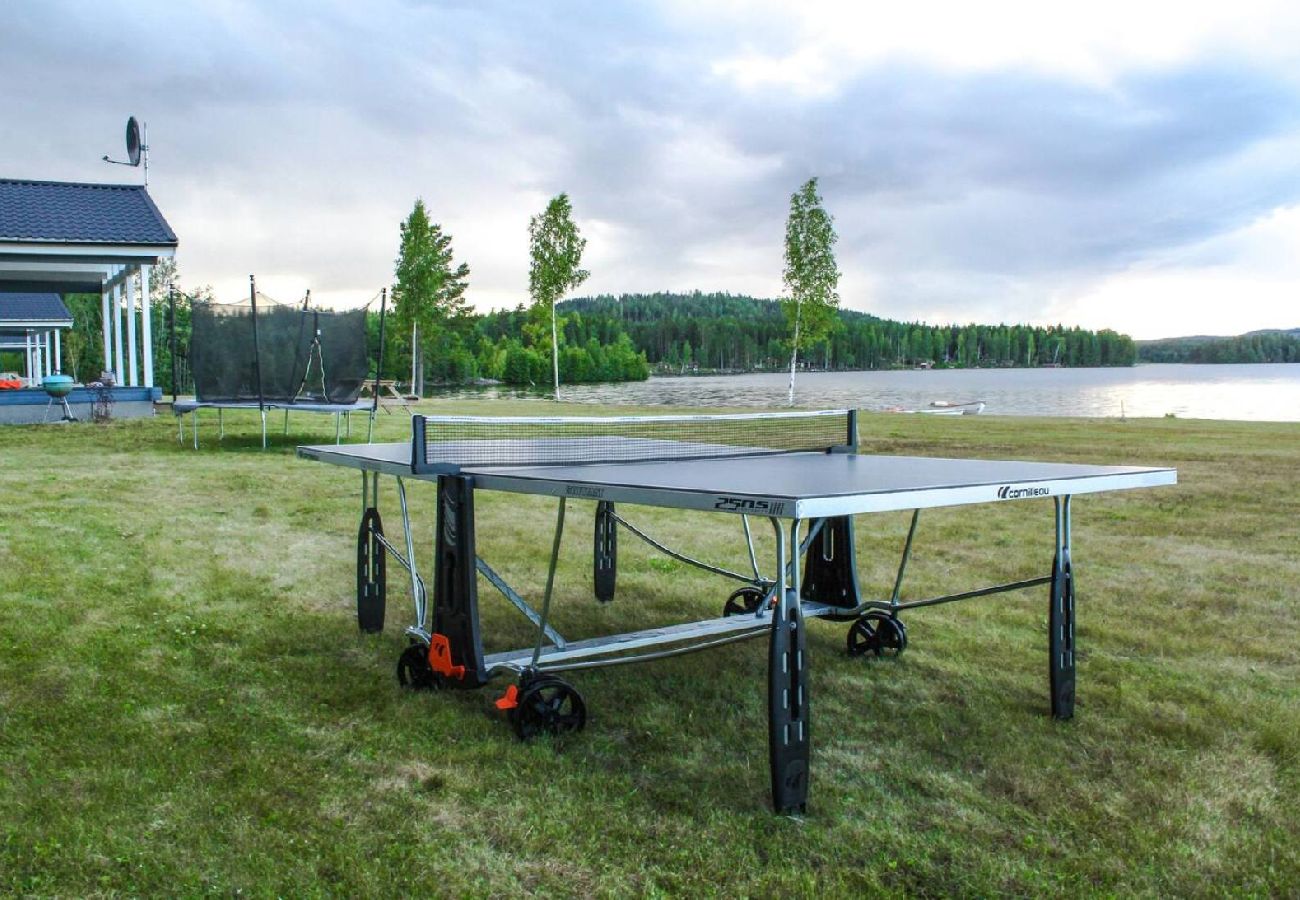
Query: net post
[
  {"x": 257, "y": 355},
  {"x": 379, "y": 365},
  {"x": 853, "y": 429},
  {"x": 417, "y": 444}
]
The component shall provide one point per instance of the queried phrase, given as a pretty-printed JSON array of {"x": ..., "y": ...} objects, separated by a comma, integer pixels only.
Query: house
[
  {"x": 31, "y": 324},
  {"x": 58, "y": 238}
]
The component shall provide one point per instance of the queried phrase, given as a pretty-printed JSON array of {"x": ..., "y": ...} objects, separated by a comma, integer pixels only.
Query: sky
[{"x": 1129, "y": 165}]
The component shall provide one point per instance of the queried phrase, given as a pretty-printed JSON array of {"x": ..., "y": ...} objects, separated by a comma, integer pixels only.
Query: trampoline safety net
[{"x": 300, "y": 355}]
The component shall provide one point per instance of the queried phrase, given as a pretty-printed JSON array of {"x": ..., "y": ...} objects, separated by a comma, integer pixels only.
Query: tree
[
  {"x": 429, "y": 291},
  {"x": 811, "y": 277},
  {"x": 556, "y": 249}
]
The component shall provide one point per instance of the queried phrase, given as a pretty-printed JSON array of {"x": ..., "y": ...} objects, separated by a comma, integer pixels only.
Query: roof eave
[
  {"x": 11, "y": 324},
  {"x": 129, "y": 248}
]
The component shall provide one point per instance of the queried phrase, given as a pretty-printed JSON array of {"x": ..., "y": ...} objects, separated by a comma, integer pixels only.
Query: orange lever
[
  {"x": 510, "y": 699},
  {"x": 440, "y": 657}
]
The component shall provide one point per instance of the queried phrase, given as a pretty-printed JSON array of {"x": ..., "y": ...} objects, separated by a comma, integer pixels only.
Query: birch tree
[
  {"x": 556, "y": 249},
  {"x": 811, "y": 277}
]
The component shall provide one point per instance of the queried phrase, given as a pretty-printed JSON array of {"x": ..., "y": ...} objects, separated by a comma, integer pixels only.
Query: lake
[{"x": 1266, "y": 392}]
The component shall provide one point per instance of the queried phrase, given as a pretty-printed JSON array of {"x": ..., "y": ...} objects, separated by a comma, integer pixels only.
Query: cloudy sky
[{"x": 1132, "y": 165}]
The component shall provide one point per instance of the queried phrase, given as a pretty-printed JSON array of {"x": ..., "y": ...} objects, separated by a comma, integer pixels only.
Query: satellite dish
[
  {"x": 133, "y": 141},
  {"x": 137, "y": 148}
]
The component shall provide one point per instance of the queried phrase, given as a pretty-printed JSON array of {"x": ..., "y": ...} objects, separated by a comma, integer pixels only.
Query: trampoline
[{"x": 263, "y": 355}]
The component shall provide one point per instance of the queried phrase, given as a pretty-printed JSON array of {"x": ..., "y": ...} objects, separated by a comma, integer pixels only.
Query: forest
[
  {"x": 625, "y": 338},
  {"x": 1254, "y": 347},
  {"x": 729, "y": 333}
]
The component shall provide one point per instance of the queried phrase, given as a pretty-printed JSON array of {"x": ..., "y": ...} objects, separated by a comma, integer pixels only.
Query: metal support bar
[
  {"x": 545, "y": 666},
  {"x": 950, "y": 598},
  {"x": 902, "y": 563},
  {"x": 749, "y": 545},
  {"x": 667, "y": 551},
  {"x": 707, "y": 567},
  {"x": 417, "y": 585},
  {"x": 519, "y": 602},
  {"x": 550, "y": 583},
  {"x": 405, "y": 563}
]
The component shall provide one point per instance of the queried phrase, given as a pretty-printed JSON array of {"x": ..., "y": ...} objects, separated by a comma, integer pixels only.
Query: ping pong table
[{"x": 799, "y": 470}]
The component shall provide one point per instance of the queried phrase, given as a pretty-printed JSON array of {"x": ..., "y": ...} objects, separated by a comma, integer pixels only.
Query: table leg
[
  {"x": 371, "y": 558},
  {"x": 456, "y": 634},
  {"x": 604, "y": 563},
  {"x": 787, "y": 683},
  {"x": 1060, "y": 625},
  {"x": 831, "y": 568}
]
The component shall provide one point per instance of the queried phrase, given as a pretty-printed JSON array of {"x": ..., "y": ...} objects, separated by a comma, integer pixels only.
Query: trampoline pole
[
  {"x": 171, "y": 308},
  {"x": 257, "y": 356},
  {"x": 379, "y": 366}
]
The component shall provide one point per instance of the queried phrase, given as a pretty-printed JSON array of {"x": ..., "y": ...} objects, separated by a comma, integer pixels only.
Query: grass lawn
[{"x": 186, "y": 705}]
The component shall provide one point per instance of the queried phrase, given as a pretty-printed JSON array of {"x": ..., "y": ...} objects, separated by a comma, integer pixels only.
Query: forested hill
[
  {"x": 1252, "y": 347},
  {"x": 728, "y": 332}
]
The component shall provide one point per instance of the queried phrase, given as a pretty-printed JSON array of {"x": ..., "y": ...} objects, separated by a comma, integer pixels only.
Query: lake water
[{"x": 1268, "y": 392}]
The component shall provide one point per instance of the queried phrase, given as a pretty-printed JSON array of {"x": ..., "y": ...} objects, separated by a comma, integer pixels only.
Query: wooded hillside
[{"x": 727, "y": 332}]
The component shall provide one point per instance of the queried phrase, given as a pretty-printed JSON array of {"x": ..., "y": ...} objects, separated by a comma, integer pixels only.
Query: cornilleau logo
[
  {"x": 747, "y": 505},
  {"x": 1007, "y": 492}
]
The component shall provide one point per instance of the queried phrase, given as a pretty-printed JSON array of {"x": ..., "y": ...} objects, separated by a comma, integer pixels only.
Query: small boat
[{"x": 946, "y": 408}]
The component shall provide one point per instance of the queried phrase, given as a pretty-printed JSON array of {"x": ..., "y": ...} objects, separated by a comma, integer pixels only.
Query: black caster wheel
[
  {"x": 745, "y": 600},
  {"x": 413, "y": 670},
  {"x": 547, "y": 705},
  {"x": 877, "y": 633}
]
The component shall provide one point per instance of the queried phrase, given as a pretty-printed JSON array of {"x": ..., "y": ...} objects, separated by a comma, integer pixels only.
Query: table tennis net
[{"x": 447, "y": 443}]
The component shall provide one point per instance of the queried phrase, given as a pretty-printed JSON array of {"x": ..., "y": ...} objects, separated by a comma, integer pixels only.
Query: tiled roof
[
  {"x": 80, "y": 213},
  {"x": 30, "y": 307}
]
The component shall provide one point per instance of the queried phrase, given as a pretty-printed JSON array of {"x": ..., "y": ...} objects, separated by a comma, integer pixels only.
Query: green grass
[{"x": 186, "y": 705}]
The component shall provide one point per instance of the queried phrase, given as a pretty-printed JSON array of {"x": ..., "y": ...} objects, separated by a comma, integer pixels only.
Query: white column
[
  {"x": 27, "y": 355},
  {"x": 118, "y": 368},
  {"x": 129, "y": 304},
  {"x": 58, "y": 353},
  {"x": 106, "y": 320},
  {"x": 48, "y": 368},
  {"x": 146, "y": 328}
]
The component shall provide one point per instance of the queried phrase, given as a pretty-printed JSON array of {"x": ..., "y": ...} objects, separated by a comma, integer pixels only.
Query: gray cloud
[{"x": 291, "y": 139}]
